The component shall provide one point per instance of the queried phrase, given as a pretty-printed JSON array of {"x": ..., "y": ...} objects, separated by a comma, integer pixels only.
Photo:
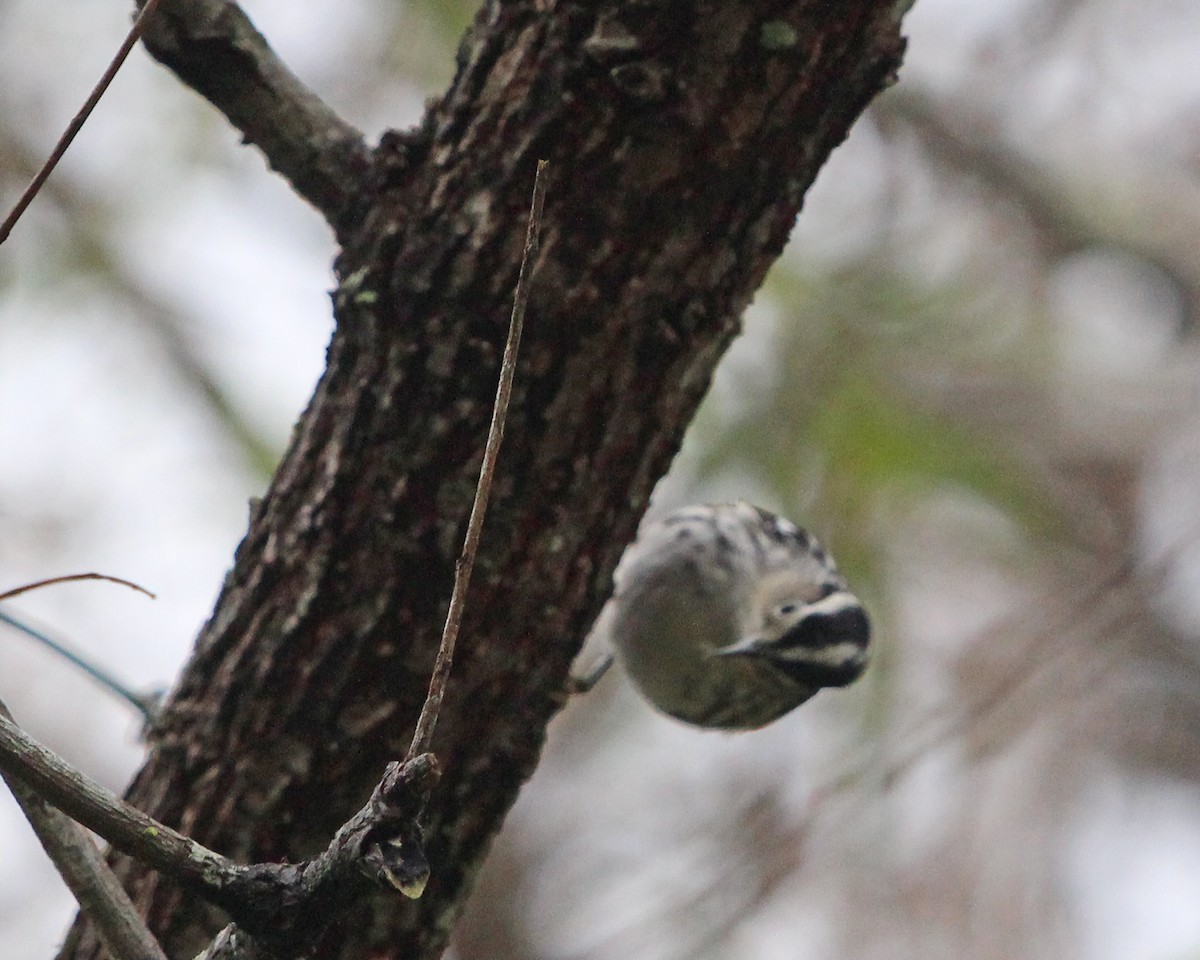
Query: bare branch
[
  {"x": 393, "y": 855},
  {"x": 634, "y": 327},
  {"x": 72, "y": 578},
  {"x": 212, "y": 46},
  {"x": 84, "y": 871},
  {"x": 125, "y": 827},
  {"x": 423, "y": 735},
  {"x": 282, "y": 905},
  {"x": 77, "y": 121}
]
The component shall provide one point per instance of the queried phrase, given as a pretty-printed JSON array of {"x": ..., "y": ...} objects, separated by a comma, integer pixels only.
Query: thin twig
[
  {"x": 77, "y": 122},
  {"x": 71, "y": 578},
  {"x": 423, "y": 736},
  {"x": 88, "y": 876},
  {"x": 146, "y": 704}
]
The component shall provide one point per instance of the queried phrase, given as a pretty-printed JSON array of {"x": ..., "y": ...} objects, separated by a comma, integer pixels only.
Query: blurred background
[{"x": 973, "y": 374}]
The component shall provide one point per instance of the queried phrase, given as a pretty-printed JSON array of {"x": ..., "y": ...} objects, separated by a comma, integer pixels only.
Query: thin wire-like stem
[
  {"x": 72, "y": 578},
  {"x": 423, "y": 735},
  {"x": 144, "y": 703},
  {"x": 77, "y": 122}
]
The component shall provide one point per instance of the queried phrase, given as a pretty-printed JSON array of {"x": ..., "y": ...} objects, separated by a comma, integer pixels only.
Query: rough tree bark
[{"x": 682, "y": 137}]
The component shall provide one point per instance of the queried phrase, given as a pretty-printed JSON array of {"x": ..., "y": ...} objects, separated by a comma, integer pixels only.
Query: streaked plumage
[{"x": 728, "y": 616}]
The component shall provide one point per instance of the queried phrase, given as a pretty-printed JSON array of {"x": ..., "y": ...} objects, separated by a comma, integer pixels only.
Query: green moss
[{"x": 777, "y": 35}]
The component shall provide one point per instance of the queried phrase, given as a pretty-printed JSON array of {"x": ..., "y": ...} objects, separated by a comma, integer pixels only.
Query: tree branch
[
  {"x": 122, "y": 825},
  {"x": 72, "y": 578},
  {"x": 285, "y": 905},
  {"x": 77, "y": 122},
  {"x": 681, "y": 141},
  {"x": 212, "y": 46},
  {"x": 84, "y": 871}
]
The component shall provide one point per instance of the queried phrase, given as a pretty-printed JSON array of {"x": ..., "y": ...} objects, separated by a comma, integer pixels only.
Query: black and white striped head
[
  {"x": 801, "y": 620},
  {"x": 728, "y": 616}
]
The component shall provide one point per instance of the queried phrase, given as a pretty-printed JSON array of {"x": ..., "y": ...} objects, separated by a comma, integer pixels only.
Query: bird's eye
[{"x": 787, "y": 609}]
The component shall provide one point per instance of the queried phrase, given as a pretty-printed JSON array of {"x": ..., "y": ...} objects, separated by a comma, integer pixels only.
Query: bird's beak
[{"x": 748, "y": 646}]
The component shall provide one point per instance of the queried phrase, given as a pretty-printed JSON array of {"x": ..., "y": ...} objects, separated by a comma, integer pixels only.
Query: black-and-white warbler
[{"x": 728, "y": 616}]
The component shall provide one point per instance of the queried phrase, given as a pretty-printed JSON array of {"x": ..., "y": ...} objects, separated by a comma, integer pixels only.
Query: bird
[{"x": 727, "y": 616}]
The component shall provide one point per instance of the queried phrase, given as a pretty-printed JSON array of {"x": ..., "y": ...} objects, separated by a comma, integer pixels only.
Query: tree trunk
[{"x": 681, "y": 138}]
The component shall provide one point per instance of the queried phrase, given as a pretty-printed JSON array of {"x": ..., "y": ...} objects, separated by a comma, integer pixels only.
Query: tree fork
[{"x": 681, "y": 139}]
